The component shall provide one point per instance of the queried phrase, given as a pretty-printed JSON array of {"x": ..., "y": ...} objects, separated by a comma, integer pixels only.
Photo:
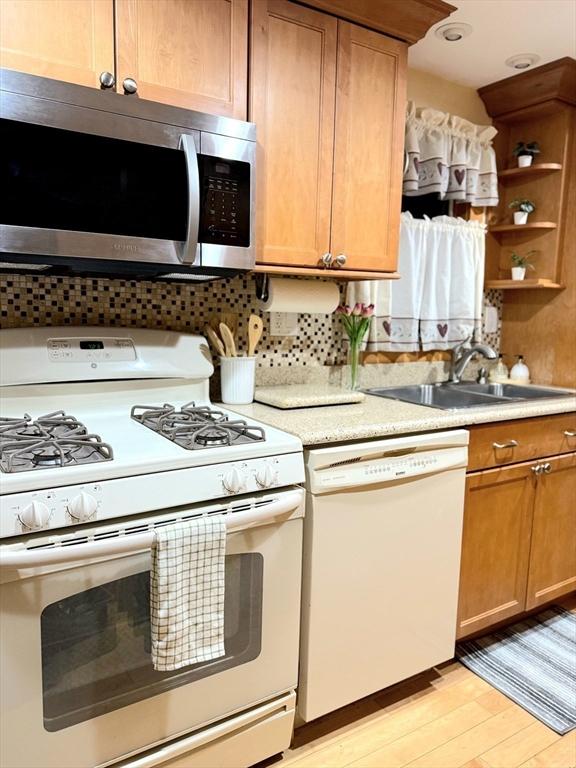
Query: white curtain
[
  {"x": 449, "y": 155},
  {"x": 437, "y": 303}
]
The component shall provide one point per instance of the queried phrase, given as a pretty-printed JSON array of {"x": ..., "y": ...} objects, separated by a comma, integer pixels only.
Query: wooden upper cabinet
[
  {"x": 495, "y": 546},
  {"x": 191, "y": 54},
  {"x": 292, "y": 103},
  {"x": 368, "y": 157},
  {"x": 552, "y": 570},
  {"x": 70, "y": 40}
]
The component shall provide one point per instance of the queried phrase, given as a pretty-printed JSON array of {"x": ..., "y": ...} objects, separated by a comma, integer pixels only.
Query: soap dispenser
[
  {"x": 499, "y": 373},
  {"x": 520, "y": 373}
]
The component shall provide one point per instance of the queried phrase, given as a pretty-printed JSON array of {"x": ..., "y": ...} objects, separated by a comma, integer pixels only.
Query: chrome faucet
[{"x": 461, "y": 357}]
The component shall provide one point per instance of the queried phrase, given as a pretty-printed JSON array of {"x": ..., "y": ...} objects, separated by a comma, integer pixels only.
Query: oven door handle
[
  {"x": 20, "y": 557},
  {"x": 188, "y": 146}
]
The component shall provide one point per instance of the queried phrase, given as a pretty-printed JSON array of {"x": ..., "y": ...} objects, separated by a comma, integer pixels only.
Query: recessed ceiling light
[
  {"x": 522, "y": 60},
  {"x": 453, "y": 32}
]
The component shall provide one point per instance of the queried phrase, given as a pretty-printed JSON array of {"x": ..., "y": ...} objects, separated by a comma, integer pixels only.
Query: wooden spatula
[
  {"x": 255, "y": 326},
  {"x": 215, "y": 340},
  {"x": 228, "y": 340}
]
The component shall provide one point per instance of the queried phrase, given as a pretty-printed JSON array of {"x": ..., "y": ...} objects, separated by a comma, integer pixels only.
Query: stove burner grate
[
  {"x": 196, "y": 426},
  {"x": 54, "y": 440}
]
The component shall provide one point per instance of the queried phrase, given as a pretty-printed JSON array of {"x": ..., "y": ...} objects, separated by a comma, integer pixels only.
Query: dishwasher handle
[{"x": 388, "y": 469}]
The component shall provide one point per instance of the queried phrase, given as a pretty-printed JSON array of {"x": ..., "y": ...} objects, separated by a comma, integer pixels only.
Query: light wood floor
[{"x": 444, "y": 718}]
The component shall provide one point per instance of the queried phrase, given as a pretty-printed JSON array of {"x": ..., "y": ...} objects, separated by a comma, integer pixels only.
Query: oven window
[
  {"x": 57, "y": 179},
  {"x": 96, "y": 644}
]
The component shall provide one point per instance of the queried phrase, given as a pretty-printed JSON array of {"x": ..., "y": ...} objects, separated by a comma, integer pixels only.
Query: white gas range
[{"x": 106, "y": 434}]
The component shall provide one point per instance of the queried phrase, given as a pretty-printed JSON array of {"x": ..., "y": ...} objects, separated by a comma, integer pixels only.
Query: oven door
[
  {"x": 101, "y": 188},
  {"x": 78, "y": 686}
]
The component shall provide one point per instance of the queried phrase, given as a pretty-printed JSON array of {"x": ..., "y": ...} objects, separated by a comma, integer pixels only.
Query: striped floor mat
[{"x": 532, "y": 662}]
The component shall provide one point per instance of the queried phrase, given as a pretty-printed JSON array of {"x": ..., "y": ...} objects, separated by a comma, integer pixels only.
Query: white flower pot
[
  {"x": 518, "y": 273},
  {"x": 524, "y": 161},
  {"x": 520, "y": 217}
]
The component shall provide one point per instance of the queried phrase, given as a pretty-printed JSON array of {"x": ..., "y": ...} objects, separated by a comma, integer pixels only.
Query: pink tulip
[
  {"x": 358, "y": 309},
  {"x": 368, "y": 310}
]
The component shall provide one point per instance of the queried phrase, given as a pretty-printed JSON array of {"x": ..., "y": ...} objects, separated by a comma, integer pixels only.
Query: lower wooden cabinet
[
  {"x": 552, "y": 568},
  {"x": 519, "y": 540}
]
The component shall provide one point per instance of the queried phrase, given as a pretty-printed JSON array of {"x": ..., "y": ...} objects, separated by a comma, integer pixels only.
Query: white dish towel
[{"x": 187, "y": 592}]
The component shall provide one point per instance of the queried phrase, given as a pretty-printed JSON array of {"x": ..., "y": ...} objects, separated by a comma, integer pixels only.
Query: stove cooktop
[
  {"x": 53, "y": 440},
  {"x": 196, "y": 427}
]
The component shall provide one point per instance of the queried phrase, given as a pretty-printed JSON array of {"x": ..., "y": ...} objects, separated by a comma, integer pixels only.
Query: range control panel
[{"x": 89, "y": 350}]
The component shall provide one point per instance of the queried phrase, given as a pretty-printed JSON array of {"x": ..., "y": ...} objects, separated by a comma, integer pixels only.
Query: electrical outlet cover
[
  {"x": 283, "y": 324},
  {"x": 491, "y": 323}
]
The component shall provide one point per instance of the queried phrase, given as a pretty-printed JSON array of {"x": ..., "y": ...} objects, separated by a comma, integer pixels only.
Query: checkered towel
[{"x": 187, "y": 592}]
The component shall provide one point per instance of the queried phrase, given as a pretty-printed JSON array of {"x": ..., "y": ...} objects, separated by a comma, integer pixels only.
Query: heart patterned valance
[{"x": 449, "y": 155}]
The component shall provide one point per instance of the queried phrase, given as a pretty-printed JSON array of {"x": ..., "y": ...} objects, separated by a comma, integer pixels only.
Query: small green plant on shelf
[
  {"x": 524, "y": 153},
  {"x": 520, "y": 263},
  {"x": 524, "y": 208}
]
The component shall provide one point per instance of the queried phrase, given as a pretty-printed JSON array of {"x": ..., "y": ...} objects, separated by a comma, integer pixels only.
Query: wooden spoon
[
  {"x": 255, "y": 326},
  {"x": 215, "y": 340},
  {"x": 228, "y": 340}
]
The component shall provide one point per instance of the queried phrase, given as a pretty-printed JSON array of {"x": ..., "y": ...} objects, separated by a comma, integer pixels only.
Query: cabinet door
[
  {"x": 71, "y": 40},
  {"x": 187, "y": 54},
  {"x": 368, "y": 159},
  {"x": 552, "y": 570},
  {"x": 292, "y": 84},
  {"x": 495, "y": 546}
]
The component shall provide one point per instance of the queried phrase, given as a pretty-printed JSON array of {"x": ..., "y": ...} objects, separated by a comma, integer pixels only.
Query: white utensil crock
[
  {"x": 237, "y": 379},
  {"x": 520, "y": 217}
]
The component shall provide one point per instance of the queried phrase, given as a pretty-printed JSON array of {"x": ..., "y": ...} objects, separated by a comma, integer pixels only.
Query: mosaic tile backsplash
[{"x": 51, "y": 301}]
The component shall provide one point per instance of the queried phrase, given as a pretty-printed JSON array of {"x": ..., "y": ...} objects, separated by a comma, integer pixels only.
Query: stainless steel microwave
[{"x": 99, "y": 182}]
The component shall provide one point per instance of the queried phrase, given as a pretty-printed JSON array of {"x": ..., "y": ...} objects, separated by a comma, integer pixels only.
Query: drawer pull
[
  {"x": 570, "y": 432},
  {"x": 509, "y": 444}
]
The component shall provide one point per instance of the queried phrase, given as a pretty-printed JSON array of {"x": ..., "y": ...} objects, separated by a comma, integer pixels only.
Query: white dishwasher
[{"x": 382, "y": 542}]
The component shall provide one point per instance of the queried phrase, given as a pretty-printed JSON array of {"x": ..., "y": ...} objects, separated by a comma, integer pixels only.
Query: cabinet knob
[
  {"x": 547, "y": 468},
  {"x": 326, "y": 259},
  {"x": 130, "y": 86},
  {"x": 508, "y": 444},
  {"x": 107, "y": 80},
  {"x": 538, "y": 469},
  {"x": 570, "y": 432},
  {"x": 340, "y": 260}
]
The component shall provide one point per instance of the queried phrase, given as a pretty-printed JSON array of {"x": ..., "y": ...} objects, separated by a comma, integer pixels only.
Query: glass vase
[{"x": 353, "y": 363}]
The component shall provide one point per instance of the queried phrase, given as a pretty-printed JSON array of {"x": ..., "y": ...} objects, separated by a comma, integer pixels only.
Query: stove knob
[
  {"x": 82, "y": 507},
  {"x": 233, "y": 481},
  {"x": 265, "y": 476},
  {"x": 35, "y": 515}
]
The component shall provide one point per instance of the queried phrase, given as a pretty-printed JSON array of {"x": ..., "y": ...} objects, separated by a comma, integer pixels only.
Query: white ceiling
[{"x": 501, "y": 28}]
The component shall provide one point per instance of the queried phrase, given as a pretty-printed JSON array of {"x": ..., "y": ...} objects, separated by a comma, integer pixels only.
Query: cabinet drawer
[{"x": 507, "y": 442}]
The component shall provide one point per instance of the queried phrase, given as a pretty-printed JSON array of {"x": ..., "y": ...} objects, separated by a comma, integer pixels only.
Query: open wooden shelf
[
  {"x": 522, "y": 227},
  {"x": 536, "y": 169},
  {"x": 505, "y": 285}
]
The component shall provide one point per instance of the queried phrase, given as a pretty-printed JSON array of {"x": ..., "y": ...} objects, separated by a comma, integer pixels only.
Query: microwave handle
[
  {"x": 188, "y": 146},
  {"x": 122, "y": 545}
]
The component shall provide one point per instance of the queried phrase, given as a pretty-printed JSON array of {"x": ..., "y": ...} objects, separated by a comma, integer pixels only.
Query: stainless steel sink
[
  {"x": 451, "y": 397},
  {"x": 516, "y": 391}
]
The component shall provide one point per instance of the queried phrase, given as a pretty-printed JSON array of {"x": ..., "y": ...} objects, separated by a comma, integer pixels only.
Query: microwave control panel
[
  {"x": 105, "y": 350},
  {"x": 225, "y": 201}
]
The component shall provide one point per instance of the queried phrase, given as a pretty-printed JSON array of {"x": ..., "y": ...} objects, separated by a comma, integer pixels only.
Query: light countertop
[{"x": 380, "y": 417}]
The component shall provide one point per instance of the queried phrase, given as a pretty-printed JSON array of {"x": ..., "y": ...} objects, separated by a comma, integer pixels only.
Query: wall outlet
[
  {"x": 491, "y": 321},
  {"x": 283, "y": 324}
]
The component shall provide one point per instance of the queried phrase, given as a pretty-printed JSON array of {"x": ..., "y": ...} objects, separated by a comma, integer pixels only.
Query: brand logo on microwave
[{"x": 125, "y": 247}]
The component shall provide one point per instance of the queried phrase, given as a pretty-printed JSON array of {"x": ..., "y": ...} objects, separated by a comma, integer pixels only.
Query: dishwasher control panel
[{"x": 385, "y": 469}]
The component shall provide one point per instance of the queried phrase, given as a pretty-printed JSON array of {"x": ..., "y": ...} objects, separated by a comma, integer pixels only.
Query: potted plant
[
  {"x": 520, "y": 264},
  {"x": 524, "y": 208},
  {"x": 524, "y": 153}
]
